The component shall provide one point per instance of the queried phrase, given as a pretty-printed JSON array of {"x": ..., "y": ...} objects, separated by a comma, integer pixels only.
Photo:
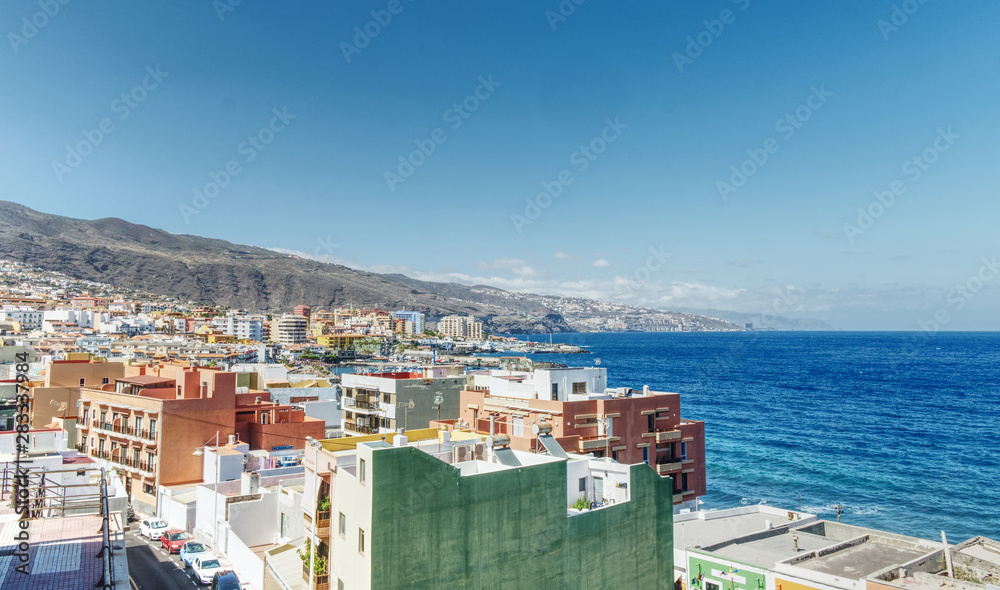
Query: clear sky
[{"x": 637, "y": 116}]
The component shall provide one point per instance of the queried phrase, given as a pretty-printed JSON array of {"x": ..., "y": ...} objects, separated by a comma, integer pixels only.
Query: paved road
[{"x": 151, "y": 568}]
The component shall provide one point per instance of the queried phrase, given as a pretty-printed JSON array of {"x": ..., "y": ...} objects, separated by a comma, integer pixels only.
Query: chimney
[{"x": 249, "y": 483}]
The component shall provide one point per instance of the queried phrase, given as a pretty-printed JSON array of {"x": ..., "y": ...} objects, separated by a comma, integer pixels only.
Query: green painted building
[{"x": 412, "y": 519}]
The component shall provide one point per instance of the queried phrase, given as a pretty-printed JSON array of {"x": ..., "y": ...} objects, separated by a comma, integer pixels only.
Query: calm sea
[{"x": 903, "y": 432}]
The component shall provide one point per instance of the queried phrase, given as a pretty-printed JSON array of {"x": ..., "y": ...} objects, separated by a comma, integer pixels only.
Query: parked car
[
  {"x": 226, "y": 581},
  {"x": 173, "y": 540},
  {"x": 152, "y": 528},
  {"x": 205, "y": 566},
  {"x": 192, "y": 549}
]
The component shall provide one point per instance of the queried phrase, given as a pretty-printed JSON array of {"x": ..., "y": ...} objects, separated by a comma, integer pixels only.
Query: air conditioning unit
[
  {"x": 480, "y": 452},
  {"x": 461, "y": 454}
]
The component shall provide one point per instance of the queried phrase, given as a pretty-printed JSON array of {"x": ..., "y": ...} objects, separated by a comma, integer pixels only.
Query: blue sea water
[{"x": 904, "y": 432}]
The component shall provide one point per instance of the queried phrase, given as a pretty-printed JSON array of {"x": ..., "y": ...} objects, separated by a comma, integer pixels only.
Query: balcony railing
[
  {"x": 149, "y": 435},
  {"x": 361, "y": 405},
  {"x": 322, "y": 581},
  {"x": 363, "y": 429},
  {"x": 323, "y": 523}
]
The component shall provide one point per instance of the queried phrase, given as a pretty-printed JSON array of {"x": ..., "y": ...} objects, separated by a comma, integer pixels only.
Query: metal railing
[
  {"x": 145, "y": 434},
  {"x": 107, "y": 581}
]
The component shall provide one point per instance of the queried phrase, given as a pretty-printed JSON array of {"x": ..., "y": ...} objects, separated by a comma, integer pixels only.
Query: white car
[
  {"x": 205, "y": 566},
  {"x": 192, "y": 549},
  {"x": 152, "y": 528}
]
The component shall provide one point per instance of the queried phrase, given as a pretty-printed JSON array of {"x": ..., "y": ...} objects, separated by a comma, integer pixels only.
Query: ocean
[{"x": 900, "y": 429}]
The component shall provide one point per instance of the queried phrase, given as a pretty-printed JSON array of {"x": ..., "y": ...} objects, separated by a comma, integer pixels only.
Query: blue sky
[{"x": 311, "y": 119}]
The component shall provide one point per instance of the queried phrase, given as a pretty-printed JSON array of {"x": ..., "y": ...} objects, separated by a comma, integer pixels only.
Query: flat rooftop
[
  {"x": 779, "y": 546},
  {"x": 862, "y": 560},
  {"x": 711, "y": 527}
]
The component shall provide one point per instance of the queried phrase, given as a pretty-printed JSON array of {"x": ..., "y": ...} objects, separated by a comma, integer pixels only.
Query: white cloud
[
  {"x": 601, "y": 263},
  {"x": 564, "y": 256}
]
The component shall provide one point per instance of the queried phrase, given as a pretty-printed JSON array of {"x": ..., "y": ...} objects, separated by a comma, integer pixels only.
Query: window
[
  {"x": 81, "y": 473},
  {"x": 555, "y": 392},
  {"x": 150, "y": 489},
  {"x": 135, "y": 455},
  {"x": 614, "y": 455},
  {"x": 340, "y": 584},
  {"x": 583, "y": 485},
  {"x": 150, "y": 461},
  {"x": 651, "y": 421},
  {"x": 361, "y": 470},
  {"x": 100, "y": 446},
  {"x": 645, "y": 455},
  {"x": 104, "y": 418},
  {"x": 684, "y": 451},
  {"x": 82, "y": 381},
  {"x": 711, "y": 586},
  {"x": 386, "y": 398},
  {"x": 518, "y": 426},
  {"x": 342, "y": 525},
  {"x": 105, "y": 381},
  {"x": 138, "y": 424},
  {"x": 361, "y": 541},
  {"x": 282, "y": 529},
  {"x": 580, "y": 387},
  {"x": 152, "y": 428}
]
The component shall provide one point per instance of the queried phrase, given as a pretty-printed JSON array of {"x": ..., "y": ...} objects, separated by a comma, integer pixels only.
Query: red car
[{"x": 173, "y": 540}]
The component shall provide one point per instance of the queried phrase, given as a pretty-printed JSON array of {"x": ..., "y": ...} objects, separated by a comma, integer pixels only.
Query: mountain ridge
[{"x": 209, "y": 270}]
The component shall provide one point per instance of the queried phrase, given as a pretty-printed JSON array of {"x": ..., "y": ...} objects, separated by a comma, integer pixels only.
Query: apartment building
[
  {"x": 129, "y": 422},
  {"x": 382, "y": 402},
  {"x": 576, "y": 406},
  {"x": 243, "y": 327},
  {"x": 412, "y": 316},
  {"x": 458, "y": 326},
  {"x": 57, "y": 393},
  {"x": 29, "y": 317},
  {"x": 291, "y": 329},
  {"x": 429, "y": 511}
]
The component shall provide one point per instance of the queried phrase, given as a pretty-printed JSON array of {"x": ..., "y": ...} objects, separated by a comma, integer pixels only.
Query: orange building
[
  {"x": 586, "y": 417},
  {"x": 149, "y": 422}
]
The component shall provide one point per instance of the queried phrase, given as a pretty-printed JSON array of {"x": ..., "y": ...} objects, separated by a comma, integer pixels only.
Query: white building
[
  {"x": 30, "y": 318},
  {"x": 458, "y": 326},
  {"x": 241, "y": 326},
  {"x": 292, "y": 329},
  {"x": 568, "y": 384}
]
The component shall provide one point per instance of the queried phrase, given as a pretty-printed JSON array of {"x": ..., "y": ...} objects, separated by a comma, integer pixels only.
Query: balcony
[
  {"x": 362, "y": 406},
  {"x": 667, "y": 467},
  {"x": 668, "y": 436},
  {"x": 146, "y": 435},
  {"x": 322, "y": 580},
  {"x": 323, "y": 524},
  {"x": 596, "y": 443},
  {"x": 359, "y": 428}
]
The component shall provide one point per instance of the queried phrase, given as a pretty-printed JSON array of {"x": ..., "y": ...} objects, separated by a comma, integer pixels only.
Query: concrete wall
[
  {"x": 249, "y": 567},
  {"x": 432, "y": 528}
]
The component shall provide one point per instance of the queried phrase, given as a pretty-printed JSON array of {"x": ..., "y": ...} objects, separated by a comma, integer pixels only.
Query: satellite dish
[
  {"x": 597, "y": 361},
  {"x": 534, "y": 429}
]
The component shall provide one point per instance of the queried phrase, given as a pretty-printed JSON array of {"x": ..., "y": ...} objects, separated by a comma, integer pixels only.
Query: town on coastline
[{"x": 360, "y": 448}]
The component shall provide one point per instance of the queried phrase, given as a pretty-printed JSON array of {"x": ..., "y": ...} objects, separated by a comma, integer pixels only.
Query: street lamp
[{"x": 199, "y": 452}]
